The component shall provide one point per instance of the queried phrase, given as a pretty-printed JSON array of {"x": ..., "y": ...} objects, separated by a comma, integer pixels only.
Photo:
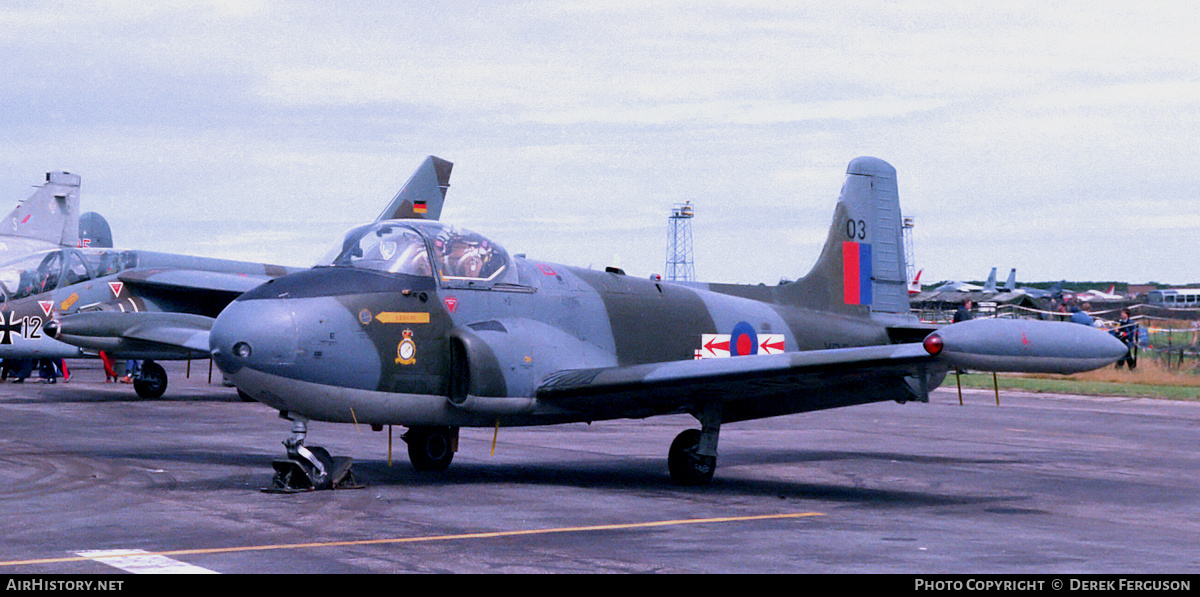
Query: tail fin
[
  {"x": 1011, "y": 283},
  {"x": 914, "y": 287},
  {"x": 94, "y": 231},
  {"x": 422, "y": 196},
  {"x": 861, "y": 269},
  {"x": 51, "y": 213},
  {"x": 990, "y": 285}
]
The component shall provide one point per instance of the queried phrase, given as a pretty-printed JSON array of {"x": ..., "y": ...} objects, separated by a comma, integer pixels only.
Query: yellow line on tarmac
[{"x": 486, "y": 535}]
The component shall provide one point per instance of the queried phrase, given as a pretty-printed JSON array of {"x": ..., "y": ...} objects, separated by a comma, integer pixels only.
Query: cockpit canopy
[
  {"x": 455, "y": 256},
  {"x": 44, "y": 271}
]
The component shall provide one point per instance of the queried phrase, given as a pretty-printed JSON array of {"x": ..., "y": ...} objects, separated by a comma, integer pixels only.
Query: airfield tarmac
[{"x": 1042, "y": 484}]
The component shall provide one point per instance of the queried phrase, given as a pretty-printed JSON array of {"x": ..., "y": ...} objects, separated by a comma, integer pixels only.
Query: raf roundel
[{"x": 743, "y": 341}]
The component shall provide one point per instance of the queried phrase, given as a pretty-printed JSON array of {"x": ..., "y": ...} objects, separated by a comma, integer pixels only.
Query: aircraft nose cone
[{"x": 259, "y": 334}]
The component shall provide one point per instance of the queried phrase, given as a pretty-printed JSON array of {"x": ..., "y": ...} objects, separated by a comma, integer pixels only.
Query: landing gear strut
[
  {"x": 692, "y": 459},
  {"x": 309, "y": 469},
  {"x": 431, "y": 448}
]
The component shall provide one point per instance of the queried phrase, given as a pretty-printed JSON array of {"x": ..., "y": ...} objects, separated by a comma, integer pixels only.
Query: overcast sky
[{"x": 1057, "y": 138}]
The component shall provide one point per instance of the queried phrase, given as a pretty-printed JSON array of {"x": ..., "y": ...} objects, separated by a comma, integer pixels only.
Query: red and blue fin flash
[{"x": 856, "y": 273}]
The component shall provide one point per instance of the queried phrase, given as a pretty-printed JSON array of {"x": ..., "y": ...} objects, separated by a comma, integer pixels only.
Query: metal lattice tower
[
  {"x": 910, "y": 259},
  {"x": 680, "y": 263}
]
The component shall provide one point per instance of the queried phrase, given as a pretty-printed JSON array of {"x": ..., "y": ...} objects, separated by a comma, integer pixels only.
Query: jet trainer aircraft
[
  {"x": 148, "y": 305},
  {"x": 434, "y": 327},
  {"x": 184, "y": 291}
]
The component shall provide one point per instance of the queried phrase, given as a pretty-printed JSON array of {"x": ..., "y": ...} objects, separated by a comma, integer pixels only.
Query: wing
[
  {"x": 189, "y": 280},
  {"x": 749, "y": 387},
  {"x": 761, "y": 386}
]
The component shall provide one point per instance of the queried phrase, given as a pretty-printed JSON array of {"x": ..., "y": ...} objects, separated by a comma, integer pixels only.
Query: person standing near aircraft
[
  {"x": 964, "y": 312},
  {"x": 1127, "y": 332},
  {"x": 1081, "y": 315},
  {"x": 110, "y": 374},
  {"x": 47, "y": 371}
]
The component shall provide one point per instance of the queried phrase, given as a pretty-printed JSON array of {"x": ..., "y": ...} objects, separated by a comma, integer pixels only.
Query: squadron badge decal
[{"x": 406, "y": 351}]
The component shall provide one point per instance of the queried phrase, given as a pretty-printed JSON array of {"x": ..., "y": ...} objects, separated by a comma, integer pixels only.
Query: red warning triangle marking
[
  {"x": 46, "y": 306},
  {"x": 116, "y": 288}
]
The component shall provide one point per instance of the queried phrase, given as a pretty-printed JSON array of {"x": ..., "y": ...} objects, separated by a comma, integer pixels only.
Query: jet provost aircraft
[
  {"x": 148, "y": 305},
  {"x": 435, "y": 328}
]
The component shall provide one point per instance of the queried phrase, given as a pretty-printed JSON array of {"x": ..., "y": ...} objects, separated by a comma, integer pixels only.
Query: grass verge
[{"x": 1150, "y": 380}]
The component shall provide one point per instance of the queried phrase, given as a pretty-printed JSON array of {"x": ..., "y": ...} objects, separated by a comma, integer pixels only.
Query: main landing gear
[
  {"x": 151, "y": 382},
  {"x": 309, "y": 469},
  {"x": 431, "y": 448},
  {"x": 692, "y": 459}
]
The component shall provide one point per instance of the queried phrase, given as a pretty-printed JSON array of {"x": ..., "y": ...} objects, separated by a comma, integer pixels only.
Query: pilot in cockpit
[
  {"x": 407, "y": 258},
  {"x": 465, "y": 254}
]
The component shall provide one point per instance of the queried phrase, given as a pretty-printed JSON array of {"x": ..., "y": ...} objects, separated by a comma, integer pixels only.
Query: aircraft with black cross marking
[
  {"x": 147, "y": 305},
  {"x": 433, "y": 327}
]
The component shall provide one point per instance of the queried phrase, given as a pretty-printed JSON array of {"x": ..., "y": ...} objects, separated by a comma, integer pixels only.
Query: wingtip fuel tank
[{"x": 1024, "y": 346}]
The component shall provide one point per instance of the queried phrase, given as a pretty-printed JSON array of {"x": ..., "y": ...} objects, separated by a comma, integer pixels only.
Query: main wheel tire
[
  {"x": 430, "y": 448},
  {"x": 152, "y": 383},
  {"x": 686, "y": 466}
]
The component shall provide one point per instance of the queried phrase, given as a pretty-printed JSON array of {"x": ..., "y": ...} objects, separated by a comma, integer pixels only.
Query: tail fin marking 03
[{"x": 861, "y": 268}]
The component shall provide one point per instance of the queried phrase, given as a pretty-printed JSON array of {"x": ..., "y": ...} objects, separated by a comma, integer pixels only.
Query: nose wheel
[{"x": 309, "y": 469}]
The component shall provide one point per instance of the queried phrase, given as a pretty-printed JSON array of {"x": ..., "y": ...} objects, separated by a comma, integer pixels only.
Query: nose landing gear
[{"x": 309, "y": 469}]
